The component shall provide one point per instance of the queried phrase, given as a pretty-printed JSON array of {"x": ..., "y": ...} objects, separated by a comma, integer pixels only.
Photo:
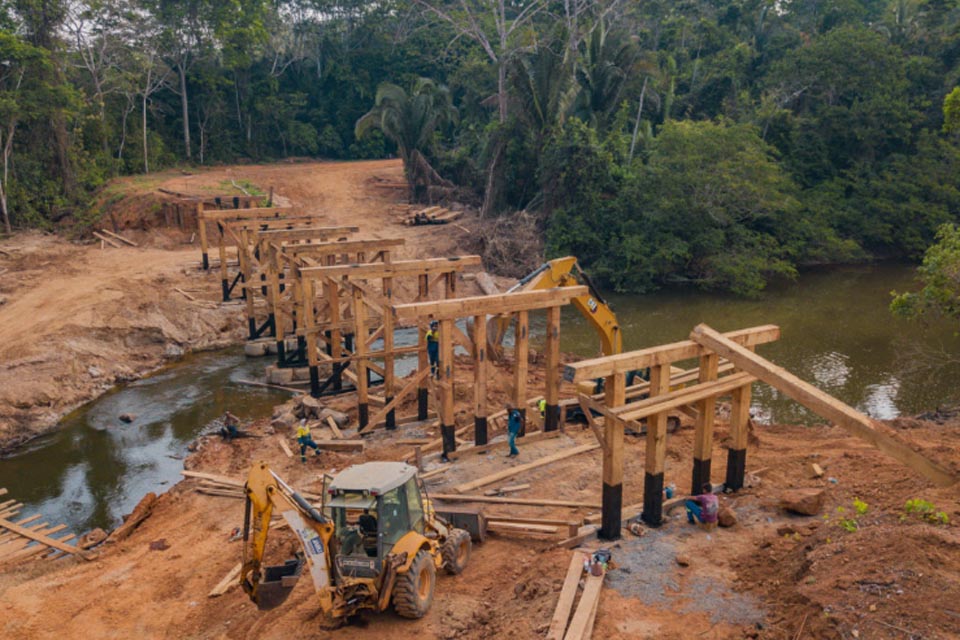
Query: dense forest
[{"x": 715, "y": 143}]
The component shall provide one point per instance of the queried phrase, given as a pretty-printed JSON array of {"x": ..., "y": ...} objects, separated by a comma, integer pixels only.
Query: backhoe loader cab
[
  {"x": 374, "y": 541},
  {"x": 373, "y": 506}
]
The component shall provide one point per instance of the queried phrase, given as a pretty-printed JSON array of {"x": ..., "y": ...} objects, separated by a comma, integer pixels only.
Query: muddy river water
[{"x": 836, "y": 332}]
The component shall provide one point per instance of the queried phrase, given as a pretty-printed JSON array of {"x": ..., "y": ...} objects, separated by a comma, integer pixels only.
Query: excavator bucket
[{"x": 277, "y": 583}]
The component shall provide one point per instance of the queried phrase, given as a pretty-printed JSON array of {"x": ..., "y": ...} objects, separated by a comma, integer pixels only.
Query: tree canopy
[{"x": 718, "y": 144}]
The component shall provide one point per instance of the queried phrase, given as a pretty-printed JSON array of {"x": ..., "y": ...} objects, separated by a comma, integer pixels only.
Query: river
[{"x": 836, "y": 333}]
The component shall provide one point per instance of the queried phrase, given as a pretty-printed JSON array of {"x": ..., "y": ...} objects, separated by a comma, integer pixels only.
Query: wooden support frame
[
  {"x": 487, "y": 305},
  {"x": 823, "y": 404}
]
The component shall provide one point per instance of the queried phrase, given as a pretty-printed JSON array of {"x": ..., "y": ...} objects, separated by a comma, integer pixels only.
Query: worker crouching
[{"x": 703, "y": 509}]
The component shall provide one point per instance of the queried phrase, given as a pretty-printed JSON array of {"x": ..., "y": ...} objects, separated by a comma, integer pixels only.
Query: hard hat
[
  {"x": 434, "y": 323},
  {"x": 303, "y": 422}
]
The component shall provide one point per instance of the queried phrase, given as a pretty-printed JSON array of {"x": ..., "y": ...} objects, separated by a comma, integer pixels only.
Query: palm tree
[
  {"x": 605, "y": 62},
  {"x": 410, "y": 120}
]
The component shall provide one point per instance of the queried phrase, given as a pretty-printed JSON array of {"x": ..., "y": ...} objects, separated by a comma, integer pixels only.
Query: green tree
[
  {"x": 940, "y": 275},
  {"x": 410, "y": 121}
]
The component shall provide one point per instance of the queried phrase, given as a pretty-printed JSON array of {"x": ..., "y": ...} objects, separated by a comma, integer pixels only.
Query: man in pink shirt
[{"x": 703, "y": 508}]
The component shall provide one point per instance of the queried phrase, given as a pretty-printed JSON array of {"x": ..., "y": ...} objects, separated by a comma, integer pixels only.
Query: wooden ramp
[{"x": 27, "y": 539}]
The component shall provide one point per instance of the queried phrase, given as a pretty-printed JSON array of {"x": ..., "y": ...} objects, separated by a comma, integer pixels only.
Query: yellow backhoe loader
[{"x": 374, "y": 541}]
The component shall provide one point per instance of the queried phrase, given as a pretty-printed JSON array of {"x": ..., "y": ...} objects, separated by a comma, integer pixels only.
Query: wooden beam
[
  {"x": 229, "y": 580},
  {"x": 824, "y": 405},
  {"x": 447, "y": 424},
  {"x": 258, "y": 213},
  {"x": 341, "y": 445},
  {"x": 304, "y": 233},
  {"x": 656, "y": 450},
  {"x": 396, "y": 268},
  {"x": 487, "y": 305},
  {"x": 530, "y": 438},
  {"x": 512, "y": 471},
  {"x": 521, "y": 366},
  {"x": 552, "y": 393},
  {"x": 480, "y": 380},
  {"x": 119, "y": 237},
  {"x": 673, "y": 399},
  {"x": 360, "y": 350},
  {"x": 526, "y": 502},
  {"x": 568, "y": 592},
  {"x": 665, "y": 354},
  {"x": 517, "y": 527},
  {"x": 703, "y": 433},
  {"x": 612, "y": 493},
  {"x": 344, "y": 247}
]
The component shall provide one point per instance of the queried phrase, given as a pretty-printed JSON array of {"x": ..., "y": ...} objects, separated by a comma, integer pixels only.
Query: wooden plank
[
  {"x": 396, "y": 268},
  {"x": 334, "y": 428},
  {"x": 535, "y": 436},
  {"x": 823, "y": 404},
  {"x": 229, "y": 580},
  {"x": 527, "y": 502},
  {"x": 580, "y": 623},
  {"x": 448, "y": 425},
  {"x": 510, "y": 488},
  {"x": 285, "y": 446},
  {"x": 521, "y": 364},
  {"x": 507, "y": 473},
  {"x": 234, "y": 482},
  {"x": 306, "y": 232},
  {"x": 256, "y": 213},
  {"x": 671, "y": 400},
  {"x": 342, "y": 247},
  {"x": 513, "y": 527},
  {"x": 341, "y": 445},
  {"x": 50, "y": 542},
  {"x": 561, "y": 614},
  {"x": 487, "y": 305},
  {"x": 665, "y": 354},
  {"x": 120, "y": 238}
]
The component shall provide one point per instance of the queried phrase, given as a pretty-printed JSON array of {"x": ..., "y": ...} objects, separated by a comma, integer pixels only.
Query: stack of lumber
[
  {"x": 25, "y": 539},
  {"x": 431, "y": 215},
  {"x": 580, "y": 627},
  {"x": 213, "y": 484}
]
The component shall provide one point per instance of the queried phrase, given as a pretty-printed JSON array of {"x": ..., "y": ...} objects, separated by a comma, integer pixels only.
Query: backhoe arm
[
  {"x": 565, "y": 272},
  {"x": 270, "y": 586}
]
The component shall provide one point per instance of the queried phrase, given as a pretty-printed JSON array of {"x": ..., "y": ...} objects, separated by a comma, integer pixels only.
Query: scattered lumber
[
  {"x": 561, "y": 615},
  {"x": 113, "y": 243},
  {"x": 431, "y": 215},
  {"x": 40, "y": 537},
  {"x": 203, "y": 475},
  {"x": 500, "y": 475},
  {"x": 140, "y": 513},
  {"x": 334, "y": 428},
  {"x": 185, "y": 294},
  {"x": 228, "y": 581},
  {"x": 581, "y": 626},
  {"x": 120, "y": 238},
  {"x": 285, "y": 446},
  {"x": 586, "y": 532},
  {"x": 528, "y": 502},
  {"x": 823, "y": 404}
]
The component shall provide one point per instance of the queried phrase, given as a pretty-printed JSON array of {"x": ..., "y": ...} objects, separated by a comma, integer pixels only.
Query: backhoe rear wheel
[
  {"x": 413, "y": 592},
  {"x": 456, "y": 551}
]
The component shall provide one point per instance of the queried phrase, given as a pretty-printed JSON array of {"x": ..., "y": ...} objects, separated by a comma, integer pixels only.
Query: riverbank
[{"x": 78, "y": 320}]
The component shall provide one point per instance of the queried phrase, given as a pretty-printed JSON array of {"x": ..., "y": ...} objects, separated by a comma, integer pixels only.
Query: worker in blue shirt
[
  {"x": 433, "y": 348},
  {"x": 514, "y": 423}
]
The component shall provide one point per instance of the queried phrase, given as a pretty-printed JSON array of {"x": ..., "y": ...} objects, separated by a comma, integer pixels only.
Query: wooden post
[
  {"x": 551, "y": 420},
  {"x": 656, "y": 450},
  {"x": 246, "y": 271},
  {"x": 447, "y": 426},
  {"x": 737, "y": 453},
  {"x": 480, "y": 380},
  {"x": 703, "y": 435},
  {"x": 202, "y": 230},
  {"x": 309, "y": 322},
  {"x": 334, "y": 341},
  {"x": 422, "y": 360},
  {"x": 360, "y": 349},
  {"x": 389, "y": 379},
  {"x": 612, "y": 495},
  {"x": 224, "y": 276},
  {"x": 521, "y": 367}
]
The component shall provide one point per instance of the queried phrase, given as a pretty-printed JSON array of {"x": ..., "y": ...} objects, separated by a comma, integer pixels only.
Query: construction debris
[{"x": 431, "y": 215}]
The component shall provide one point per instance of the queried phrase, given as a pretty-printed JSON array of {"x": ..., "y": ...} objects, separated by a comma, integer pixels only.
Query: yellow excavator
[
  {"x": 566, "y": 272},
  {"x": 374, "y": 541}
]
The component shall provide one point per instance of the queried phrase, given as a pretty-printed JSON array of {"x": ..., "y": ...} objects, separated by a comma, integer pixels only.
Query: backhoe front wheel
[
  {"x": 456, "y": 551},
  {"x": 413, "y": 592}
]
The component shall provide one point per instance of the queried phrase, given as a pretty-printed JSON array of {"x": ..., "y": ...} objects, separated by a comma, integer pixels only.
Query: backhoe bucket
[{"x": 277, "y": 583}]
